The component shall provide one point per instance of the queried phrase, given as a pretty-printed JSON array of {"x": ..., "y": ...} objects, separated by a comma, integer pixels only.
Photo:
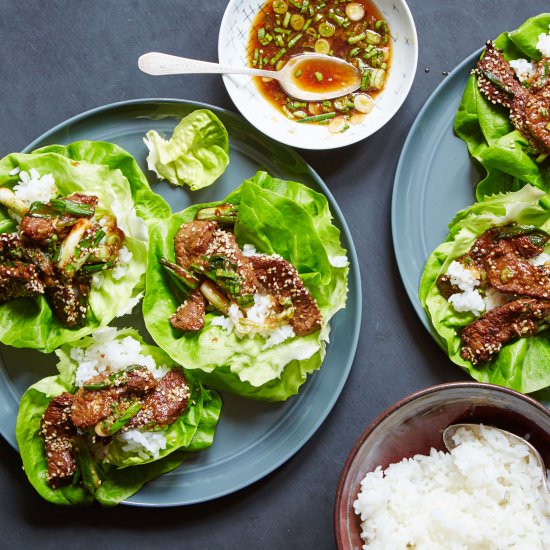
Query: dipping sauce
[
  {"x": 318, "y": 75},
  {"x": 352, "y": 30}
]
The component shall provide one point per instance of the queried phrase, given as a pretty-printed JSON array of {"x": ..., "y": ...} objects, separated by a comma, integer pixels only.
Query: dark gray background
[{"x": 62, "y": 57}]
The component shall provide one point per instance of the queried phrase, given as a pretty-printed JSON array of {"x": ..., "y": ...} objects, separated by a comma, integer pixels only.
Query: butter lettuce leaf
[
  {"x": 276, "y": 216},
  {"x": 110, "y": 173},
  {"x": 500, "y": 151},
  {"x": 524, "y": 363},
  {"x": 196, "y": 155},
  {"x": 122, "y": 473}
]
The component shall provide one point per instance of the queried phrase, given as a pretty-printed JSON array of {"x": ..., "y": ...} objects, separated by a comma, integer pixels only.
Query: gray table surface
[{"x": 62, "y": 57}]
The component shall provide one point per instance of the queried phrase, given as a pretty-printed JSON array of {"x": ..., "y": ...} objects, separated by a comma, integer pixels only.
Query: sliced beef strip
[
  {"x": 281, "y": 279},
  {"x": 57, "y": 431},
  {"x": 511, "y": 273},
  {"x": 163, "y": 405},
  {"x": 529, "y": 107},
  {"x": 19, "y": 280},
  {"x": 90, "y": 200},
  {"x": 199, "y": 239},
  {"x": 190, "y": 315},
  {"x": 92, "y": 406},
  {"x": 69, "y": 300},
  {"x": 192, "y": 240},
  {"x": 484, "y": 337}
]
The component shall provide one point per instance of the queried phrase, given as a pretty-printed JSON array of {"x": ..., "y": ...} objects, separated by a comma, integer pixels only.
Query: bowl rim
[
  {"x": 389, "y": 411},
  {"x": 298, "y": 141}
]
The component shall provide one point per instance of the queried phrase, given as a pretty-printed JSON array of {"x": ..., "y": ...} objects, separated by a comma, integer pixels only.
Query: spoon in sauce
[
  {"x": 476, "y": 430},
  {"x": 308, "y": 76}
]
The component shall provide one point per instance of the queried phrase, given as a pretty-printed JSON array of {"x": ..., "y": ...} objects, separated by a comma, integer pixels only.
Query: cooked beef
[
  {"x": 163, "y": 405},
  {"x": 281, "y": 279},
  {"x": 90, "y": 200},
  {"x": 40, "y": 230},
  {"x": 191, "y": 242},
  {"x": 57, "y": 430},
  {"x": 69, "y": 300},
  {"x": 11, "y": 247},
  {"x": 484, "y": 337},
  {"x": 197, "y": 241},
  {"x": 529, "y": 106},
  {"x": 90, "y": 406},
  {"x": 19, "y": 280},
  {"x": 511, "y": 273},
  {"x": 190, "y": 315}
]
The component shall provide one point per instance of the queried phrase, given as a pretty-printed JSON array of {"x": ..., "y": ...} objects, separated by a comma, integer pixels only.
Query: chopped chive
[
  {"x": 294, "y": 40},
  {"x": 286, "y": 20},
  {"x": 277, "y": 56},
  {"x": 317, "y": 118},
  {"x": 357, "y": 38},
  {"x": 353, "y": 52},
  {"x": 255, "y": 58},
  {"x": 298, "y": 73},
  {"x": 318, "y": 76}
]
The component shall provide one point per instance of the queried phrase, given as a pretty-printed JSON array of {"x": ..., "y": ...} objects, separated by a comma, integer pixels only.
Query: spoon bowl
[
  {"x": 476, "y": 429},
  {"x": 337, "y": 76}
]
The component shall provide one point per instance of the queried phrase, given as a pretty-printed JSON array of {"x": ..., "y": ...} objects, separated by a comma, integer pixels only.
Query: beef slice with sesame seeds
[
  {"x": 484, "y": 337},
  {"x": 57, "y": 430},
  {"x": 190, "y": 315},
  {"x": 19, "y": 280},
  {"x": 192, "y": 240},
  {"x": 69, "y": 300},
  {"x": 90, "y": 406},
  {"x": 281, "y": 279},
  {"x": 163, "y": 405}
]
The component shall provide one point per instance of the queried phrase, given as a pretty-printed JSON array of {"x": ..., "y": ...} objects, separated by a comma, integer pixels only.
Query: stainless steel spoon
[
  {"x": 451, "y": 430},
  {"x": 156, "y": 63}
]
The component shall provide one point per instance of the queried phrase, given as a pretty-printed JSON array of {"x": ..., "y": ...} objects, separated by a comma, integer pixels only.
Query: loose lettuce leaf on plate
[
  {"x": 275, "y": 216},
  {"x": 105, "y": 170},
  {"x": 523, "y": 364},
  {"x": 122, "y": 472},
  {"x": 196, "y": 155},
  {"x": 499, "y": 149}
]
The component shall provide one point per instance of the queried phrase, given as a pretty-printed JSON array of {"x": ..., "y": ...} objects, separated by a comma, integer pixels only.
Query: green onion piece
[
  {"x": 67, "y": 206},
  {"x": 338, "y": 19},
  {"x": 246, "y": 300},
  {"x": 298, "y": 73},
  {"x": 87, "y": 466},
  {"x": 326, "y": 29},
  {"x": 214, "y": 296},
  {"x": 182, "y": 279},
  {"x": 277, "y": 56},
  {"x": 292, "y": 42},
  {"x": 357, "y": 38},
  {"x": 317, "y": 118},
  {"x": 307, "y": 24},
  {"x": 115, "y": 422},
  {"x": 297, "y": 22},
  {"x": 295, "y": 4},
  {"x": 255, "y": 58},
  {"x": 354, "y": 51},
  {"x": 279, "y": 6},
  {"x": 365, "y": 80},
  {"x": 261, "y": 33},
  {"x": 286, "y": 20},
  {"x": 322, "y": 45},
  {"x": 372, "y": 37},
  {"x": 224, "y": 213},
  {"x": 318, "y": 76}
]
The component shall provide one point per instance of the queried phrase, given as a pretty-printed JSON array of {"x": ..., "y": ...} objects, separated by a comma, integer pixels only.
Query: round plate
[
  {"x": 252, "y": 438},
  {"x": 433, "y": 181},
  {"x": 232, "y": 50}
]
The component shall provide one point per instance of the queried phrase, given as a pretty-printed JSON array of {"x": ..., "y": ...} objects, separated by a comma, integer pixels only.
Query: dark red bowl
[{"x": 415, "y": 424}]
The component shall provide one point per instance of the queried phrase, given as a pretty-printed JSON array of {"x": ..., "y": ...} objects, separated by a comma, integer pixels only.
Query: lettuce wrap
[
  {"x": 522, "y": 364},
  {"x": 112, "y": 174},
  {"x": 503, "y": 153},
  {"x": 122, "y": 472},
  {"x": 276, "y": 217},
  {"x": 196, "y": 155}
]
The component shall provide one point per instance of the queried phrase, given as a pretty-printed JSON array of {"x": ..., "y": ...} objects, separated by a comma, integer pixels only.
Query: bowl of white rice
[{"x": 401, "y": 489}]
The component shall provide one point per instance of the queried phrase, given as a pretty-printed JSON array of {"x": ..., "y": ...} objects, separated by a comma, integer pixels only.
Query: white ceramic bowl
[{"x": 232, "y": 50}]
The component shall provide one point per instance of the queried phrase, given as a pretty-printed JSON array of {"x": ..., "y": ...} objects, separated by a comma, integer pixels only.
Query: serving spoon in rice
[{"x": 477, "y": 430}]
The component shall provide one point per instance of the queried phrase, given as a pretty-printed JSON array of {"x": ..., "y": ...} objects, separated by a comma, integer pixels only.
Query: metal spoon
[
  {"x": 156, "y": 63},
  {"x": 451, "y": 430}
]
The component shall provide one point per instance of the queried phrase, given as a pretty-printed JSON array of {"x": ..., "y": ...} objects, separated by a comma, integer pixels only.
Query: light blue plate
[
  {"x": 252, "y": 438},
  {"x": 433, "y": 181}
]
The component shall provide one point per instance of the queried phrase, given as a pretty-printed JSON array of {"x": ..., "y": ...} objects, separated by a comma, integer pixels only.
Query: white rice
[
  {"x": 144, "y": 444},
  {"x": 466, "y": 280},
  {"x": 33, "y": 187},
  {"x": 108, "y": 355},
  {"x": 486, "y": 494},
  {"x": 543, "y": 44},
  {"x": 253, "y": 320},
  {"x": 522, "y": 68},
  {"x": 124, "y": 259},
  {"x": 541, "y": 259}
]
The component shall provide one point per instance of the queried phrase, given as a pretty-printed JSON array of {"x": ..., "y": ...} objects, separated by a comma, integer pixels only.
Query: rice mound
[{"x": 485, "y": 494}]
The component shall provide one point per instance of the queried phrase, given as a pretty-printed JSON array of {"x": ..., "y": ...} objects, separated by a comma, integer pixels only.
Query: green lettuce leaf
[
  {"x": 107, "y": 171},
  {"x": 122, "y": 473},
  {"x": 523, "y": 364},
  {"x": 196, "y": 155},
  {"x": 275, "y": 216},
  {"x": 500, "y": 151}
]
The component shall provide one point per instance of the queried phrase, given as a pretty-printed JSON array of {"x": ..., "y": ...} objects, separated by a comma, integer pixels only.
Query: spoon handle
[{"x": 156, "y": 63}]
